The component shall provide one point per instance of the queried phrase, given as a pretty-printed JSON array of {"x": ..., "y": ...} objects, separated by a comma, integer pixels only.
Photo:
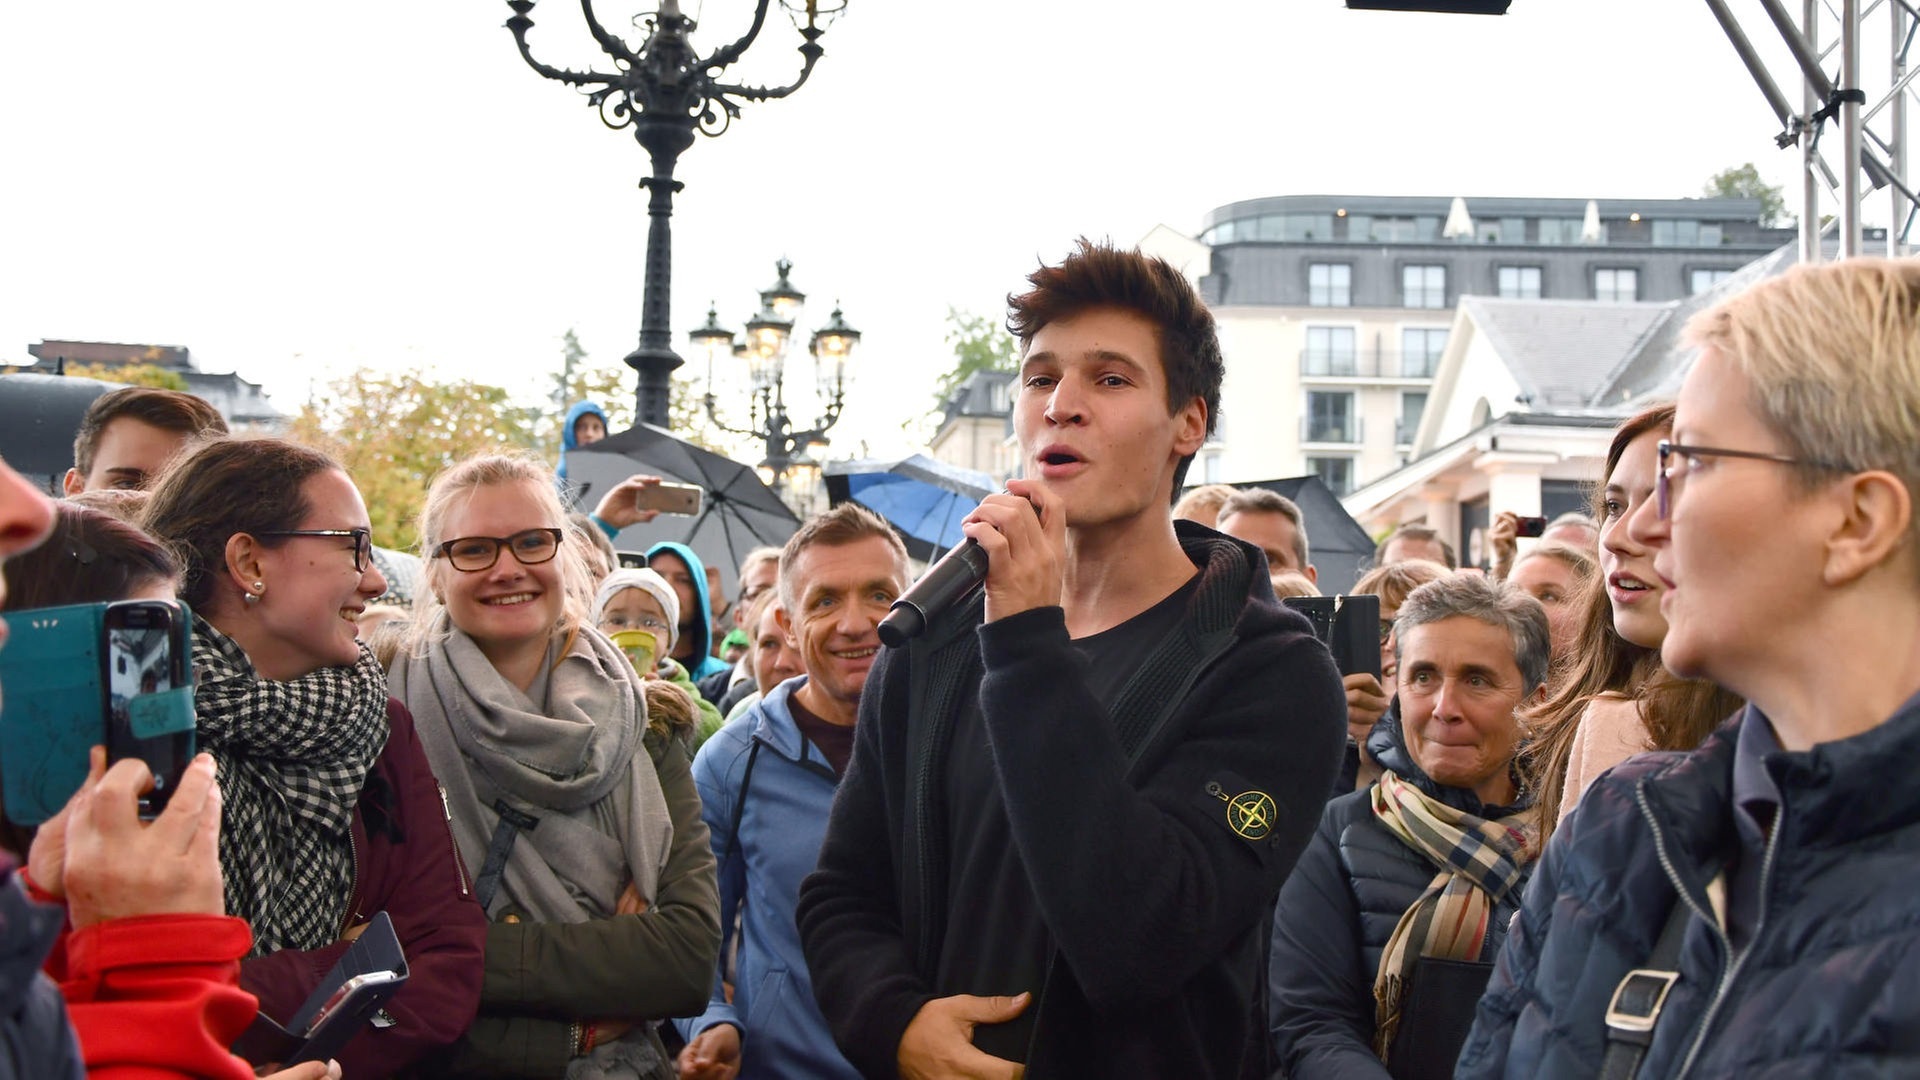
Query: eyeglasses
[
  {"x": 652, "y": 624},
  {"x": 472, "y": 554},
  {"x": 362, "y": 541},
  {"x": 1386, "y": 630},
  {"x": 1671, "y": 472}
]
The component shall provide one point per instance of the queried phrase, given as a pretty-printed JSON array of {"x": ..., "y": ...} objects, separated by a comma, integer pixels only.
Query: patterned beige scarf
[{"x": 1479, "y": 862}]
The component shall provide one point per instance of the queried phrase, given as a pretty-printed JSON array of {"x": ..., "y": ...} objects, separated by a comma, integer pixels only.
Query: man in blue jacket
[
  {"x": 1073, "y": 800},
  {"x": 766, "y": 784}
]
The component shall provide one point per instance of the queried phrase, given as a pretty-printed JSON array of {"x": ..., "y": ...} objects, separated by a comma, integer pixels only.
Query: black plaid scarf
[{"x": 292, "y": 759}]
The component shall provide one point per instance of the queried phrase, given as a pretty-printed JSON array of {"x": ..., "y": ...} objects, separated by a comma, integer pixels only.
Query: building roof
[
  {"x": 982, "y": 393},
  {"x": 1709, "y": 209},
  {"x": 1561, "y": 350},
  {"x": 1657, "y": 363}
]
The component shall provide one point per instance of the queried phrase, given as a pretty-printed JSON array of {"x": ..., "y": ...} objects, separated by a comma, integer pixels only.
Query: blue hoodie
[
  {"x": 787, "y": 801},
  {"x": 702, "y": 631},
  {"x": 567, "y": 439}
]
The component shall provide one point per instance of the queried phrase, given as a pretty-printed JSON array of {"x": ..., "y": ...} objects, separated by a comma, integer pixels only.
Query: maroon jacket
[{"x": 405, "y": 864}]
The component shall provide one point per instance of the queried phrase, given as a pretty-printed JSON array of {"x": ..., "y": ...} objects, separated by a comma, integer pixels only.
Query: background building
[
  {"x": 242, "y": 403},
  {"x": 1335, "y": 311},
  {"x": 976, "y": 425}
]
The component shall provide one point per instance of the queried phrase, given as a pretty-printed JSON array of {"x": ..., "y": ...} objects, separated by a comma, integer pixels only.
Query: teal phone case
[{"x": 51, "y": 706}]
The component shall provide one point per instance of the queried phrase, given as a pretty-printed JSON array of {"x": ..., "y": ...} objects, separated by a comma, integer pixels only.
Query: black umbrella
[
  {"x": 39, "y": 415},
  {"x": 1340, "y": 547},
  {"x": 926, "y": 500},
  {"x": 739, "y": 513}
]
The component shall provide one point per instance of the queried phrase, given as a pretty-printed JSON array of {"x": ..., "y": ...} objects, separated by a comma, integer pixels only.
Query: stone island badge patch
[{"x": 1250, "y": 814}]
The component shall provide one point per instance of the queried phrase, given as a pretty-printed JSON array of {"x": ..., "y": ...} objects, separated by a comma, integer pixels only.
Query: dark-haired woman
[
  {"x": 331, "y": 813},
  {"x": 1616, "y": 700}
]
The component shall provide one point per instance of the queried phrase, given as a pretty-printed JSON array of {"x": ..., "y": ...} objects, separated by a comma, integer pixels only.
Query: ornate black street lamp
[
  {"x": 768, "y": 338},
  {"x": 666, "y": 92}
]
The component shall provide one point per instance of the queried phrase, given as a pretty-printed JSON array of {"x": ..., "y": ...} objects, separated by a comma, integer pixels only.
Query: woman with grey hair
[{"x": 1386, "y": 930}]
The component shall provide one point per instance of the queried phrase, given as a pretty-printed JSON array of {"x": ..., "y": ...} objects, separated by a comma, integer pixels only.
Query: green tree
[
  {"x": 152, "y": 375},
  {"x": 393, "y": 432},
  {"x": 978, "y": 344},
  {"x": 1743, "y": 182}
]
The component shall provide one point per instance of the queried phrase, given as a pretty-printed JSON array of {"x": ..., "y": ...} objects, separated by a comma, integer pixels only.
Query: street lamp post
[
  {"x": 665, "y": 92},
  {"x": 765, "y": 345}
]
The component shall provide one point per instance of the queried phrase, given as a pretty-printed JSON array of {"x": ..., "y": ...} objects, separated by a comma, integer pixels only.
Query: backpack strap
[{"x": 1635, "y": 1009}]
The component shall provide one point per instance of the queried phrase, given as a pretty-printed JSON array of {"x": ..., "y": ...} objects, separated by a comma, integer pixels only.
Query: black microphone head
[{"x": 904, "y": 623}]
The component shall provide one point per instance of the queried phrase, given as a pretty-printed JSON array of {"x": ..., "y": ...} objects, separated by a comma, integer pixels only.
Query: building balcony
[
  {"x": 1367, "y": 364},
  {"x": 1342, "y": 431}
]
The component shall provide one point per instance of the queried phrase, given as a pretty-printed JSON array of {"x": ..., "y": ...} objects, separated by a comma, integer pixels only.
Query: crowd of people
[{"x": 1627, "y": 801}]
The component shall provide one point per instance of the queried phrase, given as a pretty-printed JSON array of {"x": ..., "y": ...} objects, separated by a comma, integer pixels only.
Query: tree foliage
[
  {"x": 579, "y": 379},
  {"x": 152, "y": 375},
  {"x": 1744, "y": 182},
  {"x": 393, "y": 432},
  {"x": 978, "y": 344}
]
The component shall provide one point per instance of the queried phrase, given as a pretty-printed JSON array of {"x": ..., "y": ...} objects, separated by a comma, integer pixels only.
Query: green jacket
[{"x": 542, "y": 977}]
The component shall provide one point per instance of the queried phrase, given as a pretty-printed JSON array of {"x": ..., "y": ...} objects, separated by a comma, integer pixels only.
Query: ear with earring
[{"x": 259, "y": 590}]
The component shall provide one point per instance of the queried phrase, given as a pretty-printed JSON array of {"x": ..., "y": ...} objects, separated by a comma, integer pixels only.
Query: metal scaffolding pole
[
  {"x": 1873, "y": 141},
  {"x": 1901, "y": 36}
]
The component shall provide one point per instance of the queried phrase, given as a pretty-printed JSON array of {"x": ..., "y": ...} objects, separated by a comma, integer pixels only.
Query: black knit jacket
[{"x": 1154, "y": 905}]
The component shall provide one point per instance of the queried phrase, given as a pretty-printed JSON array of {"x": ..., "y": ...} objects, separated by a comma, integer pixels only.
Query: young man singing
[{"x": 1072, "y": 801}]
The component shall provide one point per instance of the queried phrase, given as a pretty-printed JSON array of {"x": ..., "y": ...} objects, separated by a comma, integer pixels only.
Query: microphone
[{"x": 945, "y": 584}]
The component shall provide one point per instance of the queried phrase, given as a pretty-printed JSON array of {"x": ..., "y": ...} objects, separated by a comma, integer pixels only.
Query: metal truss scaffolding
[{"x": 1871, "y": 123}]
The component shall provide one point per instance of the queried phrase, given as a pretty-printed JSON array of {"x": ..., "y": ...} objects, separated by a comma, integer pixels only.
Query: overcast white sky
[{"x": 291, "y": 190}]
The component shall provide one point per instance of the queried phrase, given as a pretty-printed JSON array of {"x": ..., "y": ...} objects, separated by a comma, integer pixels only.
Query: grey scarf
[
  {"x": 567, "y": 751},
  {"x": 292, "y": 757}
]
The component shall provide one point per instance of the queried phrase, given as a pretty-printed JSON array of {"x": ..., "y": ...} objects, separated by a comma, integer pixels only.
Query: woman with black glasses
[
  {"x": 579, "y": 818},
  {"x": 331, "y": 813}
]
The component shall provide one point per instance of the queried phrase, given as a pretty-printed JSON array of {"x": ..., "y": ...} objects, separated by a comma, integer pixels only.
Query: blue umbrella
[{"x": 926, "y": 500}]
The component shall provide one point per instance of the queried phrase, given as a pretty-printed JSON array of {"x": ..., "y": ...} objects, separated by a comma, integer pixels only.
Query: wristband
[
  {"x": 575, "y": 1036},
  {"x": 587, "y": 1047}
]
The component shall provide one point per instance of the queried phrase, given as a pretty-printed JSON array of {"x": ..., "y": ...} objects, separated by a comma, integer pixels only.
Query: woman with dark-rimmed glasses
[
  {"x": 331, "y": 814},
  {"x": 578, "y": 818},
  {"x": 1747, "y": 909}
]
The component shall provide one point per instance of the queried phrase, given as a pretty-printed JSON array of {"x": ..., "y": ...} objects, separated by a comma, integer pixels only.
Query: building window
[
  {"x": 1330, "y": 417},
  {"x": 1420, "y": 349},
  {"x": 1412, "y": 404},
  {"x": 1335, "y": 472},
  {"x": 1564, "y": 231},
  {"x": 1686, "y": 234},
  {"x": 1423, "y": 286},
  {"x": 1699, "y": 281},
  {"x": 1520, "y": 282},
  {"x": 1393, "y": 230},
  {"x": 1330, "y": 285},
  {"x": 1329, "y": 351},
  {"x": 1616, "y": 284}
]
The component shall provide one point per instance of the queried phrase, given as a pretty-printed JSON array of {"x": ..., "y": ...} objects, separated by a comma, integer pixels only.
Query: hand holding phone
[{"x": 118, "y": 867}]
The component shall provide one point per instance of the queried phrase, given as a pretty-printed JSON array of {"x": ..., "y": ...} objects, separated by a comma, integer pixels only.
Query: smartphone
[
  {"x": 1531, "y": 526},
  {"x": 631, "y": 560},
  {"x": 1348, "y": 625},
  {"x": 670, "y": 498},
  {"x": 145, "y": 651},
  {"x": 351, "y": 993}
]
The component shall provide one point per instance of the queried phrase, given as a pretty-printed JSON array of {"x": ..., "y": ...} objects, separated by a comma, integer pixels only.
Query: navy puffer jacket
[
  {"x": 36, "y": 1039},
  {"x": 1336, "y": 913},
  {"x": 1829, "y": 985}
]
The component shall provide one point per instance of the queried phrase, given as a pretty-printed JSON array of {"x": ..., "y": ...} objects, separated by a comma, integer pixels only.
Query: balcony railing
[
  {"x": 1347, "y": 430},
  {"x": 1368, "y": 364}
]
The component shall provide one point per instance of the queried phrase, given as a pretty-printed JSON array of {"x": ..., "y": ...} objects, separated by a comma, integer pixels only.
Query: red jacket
[
  {"x": 405, "y": 864},
  {"x": 153, "y": 998}
]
